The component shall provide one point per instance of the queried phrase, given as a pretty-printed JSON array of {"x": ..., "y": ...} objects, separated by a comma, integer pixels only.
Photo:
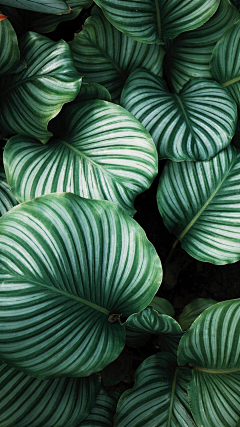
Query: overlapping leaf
[
  {"x": 215, "y": 387},
  {"x": 9, "y": 52},
  {"x": 7, "y": 199},
  {"x": 194, "y": 125},
  {"x": 159, "y": 397},
  {"x": 44, "y": 6},
  {"x": 200, "y": 204},
  {"x": 189, "y": 55},
  {"x": 92, "y": 91},
  {"x": 162, "y": 306},
  {"x": 104, "y": 55},
  {"x": 225, "y": 62},
  {"x": 103, "y": 153},
  {"x": 193, "y": 310},
  {"x": 148, "y": 21},
  {"x": 67, "y": 264},
  {"x": 103, "y": 411},
  {"x": 31, "y": 402},
  {"x": 30, "y": 98}
]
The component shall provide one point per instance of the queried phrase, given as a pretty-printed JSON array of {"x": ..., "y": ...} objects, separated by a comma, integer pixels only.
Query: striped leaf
[
  {"x": 30, "y": 98},
  {"x": 200, "y": 204},
  {"x": 31, "y": 402},
  {"x": 189, "y": 55},
  {"x": 90, "y": 91},
  {"x": 68, "y": 266},
  {"x": 104, "y": 55},
  {"x": 212, "y": 346},
  {"x": 162, "y": 306},
  {"x": 9, "y": 52},
  {"x": 116, "y": 163},
  {"x": 44, "y": 6},
  {"x": 149, "y": 21},
  {"x": 103, "y": 411},
  {"x": 159, "y": 397},
  {"x": 225, "y": 63},
  {"x": 140, "y": 327},
  {"x": 193, "y": 310},
  {"x": 7, "y": 199},
  {"x": 194, "y": 125}
]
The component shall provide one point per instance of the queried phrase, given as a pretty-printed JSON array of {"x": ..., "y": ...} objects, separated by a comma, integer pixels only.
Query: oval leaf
[
  {"x": 9, "y": 52},
  {"x": 7, "y": 199},
  {"x": 193, "y": 125},
  {"x": 116, "y": 163},
  {"x": 31, "y": 402},
  {"x": 47, "y": 82},
  {"x": 159, "y": 397},
  {"x": 193, "y": 310},
  {"x": 67, "y": 264},
  {"x": 162, "y": 306},
  {"x": 104, "y": 55},
  {"x": 148, "y": 21},
  {"x": 200, "y": 204},
  {"x": 216, "y": 358},
  {"x": 44, "y": 6}
]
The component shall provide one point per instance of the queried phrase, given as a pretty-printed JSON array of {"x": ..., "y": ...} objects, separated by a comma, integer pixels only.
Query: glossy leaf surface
[
  {"x": 200, "y": 204},
  {"x": 194, "y": 125},
  {"x": 67, "y": 264},
  {"x": 9, "y": 52}
]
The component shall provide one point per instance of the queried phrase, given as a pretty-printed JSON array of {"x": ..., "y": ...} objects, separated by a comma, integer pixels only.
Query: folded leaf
[
  {"x": 69, "y": 265},
  {"x": 30, "y": 98},
  {"x": 200, "y": 204},
  {"x": 9, "y": 52},
  {"x": 194, "y": 125}
]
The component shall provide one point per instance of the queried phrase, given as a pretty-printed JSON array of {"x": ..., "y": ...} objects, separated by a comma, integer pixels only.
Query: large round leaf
[
  {"x": 148, "y": 21},
  {"x": 189, "y": 55},
  {"x": 104, "y": 55},
  {"x": 30, "y": 98},
  {"x": 44, "y": 6},
  {"x": 103, "y": 153},
  {"x": 193, "y": 125},
  {"x": 212, "y": 346},
  {"x": 67, "y": 264},
  {"x": 7, "y": 199},
  {"x": 103, "y": 411},
  {"x": 200, "y": 204},
  {"x": 192, "y": 310},
  {"x": 159, "y": 397},
  {"x": 9, "y": 52},
  {"x": 225, "y": 63},
  {"x": 31, "y": 402}
]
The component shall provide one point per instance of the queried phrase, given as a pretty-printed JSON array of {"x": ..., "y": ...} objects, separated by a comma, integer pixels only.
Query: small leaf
[
  {"x": 193, "y": 310},
  {"x": 162, "y": 306}
]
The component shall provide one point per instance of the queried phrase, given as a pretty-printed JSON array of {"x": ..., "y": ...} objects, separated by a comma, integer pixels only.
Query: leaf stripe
[{"x": 9, "y": 53}]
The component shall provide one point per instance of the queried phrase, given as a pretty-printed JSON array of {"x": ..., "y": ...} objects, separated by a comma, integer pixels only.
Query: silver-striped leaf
[
  {"x": 140, "y": 327},
  {"x": 68, "y": 266},
  {"x": 103, "y": 153},
  {"x": 159, "y": 397},
  {"x": 44, "y": 6},
  {"x": 200, "y": 204},
  {"x": 104, "y": 55},
  {"x": 225, "y": 62},
  {"x": 31, "y": 402},
  {"x": 103, "y": 411},
  {"x": 149, "y": 21},
  {"x": 90, "y": 91},
  {"x": 30, "y": 98},
  {"x": 194, "y": 125},
  {"x": 7, "y": 199},
  {"x": 192, "y": 310},
  {"x": 189, "y": 55},
  {"x": 9, "y": 51},
  {"x": 212, "y": 346}
]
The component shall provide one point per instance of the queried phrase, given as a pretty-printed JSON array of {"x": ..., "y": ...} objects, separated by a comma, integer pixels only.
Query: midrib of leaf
[
  {"x": 230, "y": 82},
  {"x": 29, "y": 79},
  {"x": 172, "y": 398},
  {"x": 185, "y": 114},
  {"x": 216, "y": 371},
  {"x": 158, "y": 19}
]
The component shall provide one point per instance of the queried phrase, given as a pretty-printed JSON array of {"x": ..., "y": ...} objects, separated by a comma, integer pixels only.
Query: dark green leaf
[{"x": 9, "y": 52}]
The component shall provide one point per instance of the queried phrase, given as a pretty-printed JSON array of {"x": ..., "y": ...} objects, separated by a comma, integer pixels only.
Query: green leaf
[
  {"x": 215, "y": 387},
  {"x": 189, "y": 55},
  {"x": 140, "y": 327},
  {"x": 149, "y": 21},
  {"x": 103, "y": 411},
  {"x": 225, "y": 65},
  {"x": 103, "y": 153},
  {"x": 7, "y": 199},
  {"x": 68, "y": 265},
  {"x": 30, "y": 98},
  {"x": 200, "y": 204},
  {"x": 194, "y": 125},
  {"x": 90, "y": 91},
  {"x": 193, "y": 310},
  {"x": 104, "y": 55},
  {"x": 31, "y": 402},
  {"x": 159, "y": 397},
  {"x": 9, "y": 52},
  {"x": 44, "y": 6},
  {"x": 162, "y": 305}
]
